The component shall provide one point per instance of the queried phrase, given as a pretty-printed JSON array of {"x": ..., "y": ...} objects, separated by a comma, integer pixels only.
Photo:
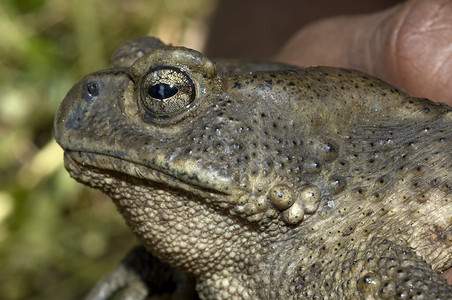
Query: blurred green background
[{"x": 56, "y": 236}]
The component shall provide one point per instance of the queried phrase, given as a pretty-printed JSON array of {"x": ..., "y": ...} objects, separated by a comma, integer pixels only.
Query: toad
[{"x": 248, "y": 180}]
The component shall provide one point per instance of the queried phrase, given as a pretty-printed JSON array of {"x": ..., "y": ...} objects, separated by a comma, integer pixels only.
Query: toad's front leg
[{"x": 139, "y": 276}]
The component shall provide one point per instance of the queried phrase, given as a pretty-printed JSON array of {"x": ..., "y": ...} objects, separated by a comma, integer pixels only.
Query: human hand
[{"x": 409, "y": 46}]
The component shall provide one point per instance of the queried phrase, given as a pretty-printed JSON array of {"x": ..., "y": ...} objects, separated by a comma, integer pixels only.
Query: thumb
[{"x": 408, "y": 45}]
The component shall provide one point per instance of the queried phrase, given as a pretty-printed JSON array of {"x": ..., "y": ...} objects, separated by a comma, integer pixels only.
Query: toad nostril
[{"x": 92, "y": 89}]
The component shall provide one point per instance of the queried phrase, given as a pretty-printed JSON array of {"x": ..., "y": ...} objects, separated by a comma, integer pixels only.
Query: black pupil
[{"x": 162, "y": 91}]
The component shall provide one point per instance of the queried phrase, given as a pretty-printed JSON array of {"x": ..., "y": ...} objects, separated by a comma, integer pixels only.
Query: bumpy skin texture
[{"x": 266, "y": 181}]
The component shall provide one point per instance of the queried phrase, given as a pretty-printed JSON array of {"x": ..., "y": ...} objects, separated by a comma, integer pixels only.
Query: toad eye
[{"x": 166, "y": 92}]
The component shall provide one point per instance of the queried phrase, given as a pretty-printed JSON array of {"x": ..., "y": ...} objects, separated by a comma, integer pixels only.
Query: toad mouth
[{"x": 78, "y": 161}]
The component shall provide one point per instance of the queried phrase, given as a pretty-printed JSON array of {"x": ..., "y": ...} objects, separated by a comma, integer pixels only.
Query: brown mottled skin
[{"x": 264, "y": 181}]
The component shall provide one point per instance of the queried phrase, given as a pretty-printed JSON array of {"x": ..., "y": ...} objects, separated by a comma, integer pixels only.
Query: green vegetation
[{"x": 56, "y": 236}]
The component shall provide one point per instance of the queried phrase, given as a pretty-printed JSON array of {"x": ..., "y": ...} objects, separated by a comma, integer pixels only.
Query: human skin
[{"x": 408, "y": 45}]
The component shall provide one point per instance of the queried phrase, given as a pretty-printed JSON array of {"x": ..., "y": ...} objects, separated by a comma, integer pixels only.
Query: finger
[{"x": 408, "y": 45}]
